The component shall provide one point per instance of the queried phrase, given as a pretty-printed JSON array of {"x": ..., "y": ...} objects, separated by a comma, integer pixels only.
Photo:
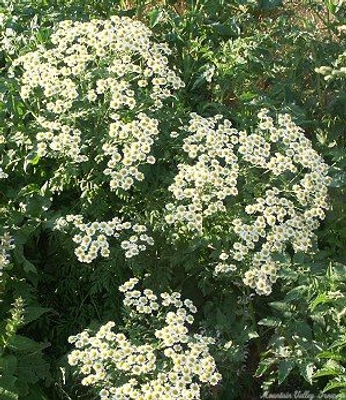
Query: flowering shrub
[
  {"x": 109, "y": 76},
  {"x": 93, "y": 95},
  {"x": 110, "y": 169},
  {"x": 283, "y": 192},
  {"x": 158, "y": 360},
  {"x": 106, "y": 76}
]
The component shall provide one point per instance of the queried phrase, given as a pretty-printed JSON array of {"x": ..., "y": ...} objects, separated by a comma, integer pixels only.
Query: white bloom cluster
[
  {"x": 201, "y": 186},
  {"x": 99, "y": 60},
  {"x": 92, "y": 91},
  {"x": 58, "y": 138},
  {"x": 171, "y": 364},
  {"x": 292, "y": 200},
  {"x": 92, "y": 236},
  {"x": 129, "y": 145},
  {"x": 5, "y": 245}
]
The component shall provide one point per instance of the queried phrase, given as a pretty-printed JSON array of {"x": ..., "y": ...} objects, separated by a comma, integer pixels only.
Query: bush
[{"x": 202, "y": 158}]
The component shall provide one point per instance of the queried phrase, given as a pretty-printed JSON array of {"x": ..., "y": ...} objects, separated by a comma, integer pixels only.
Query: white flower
[
  {"x": 169, "y": 363},
  {"x": 218, "y": 157}
]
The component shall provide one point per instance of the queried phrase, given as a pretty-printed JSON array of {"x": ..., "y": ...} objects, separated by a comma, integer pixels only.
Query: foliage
[
  {"x": 334, "y": 367},
  {"x": 189, "y": 144},
  {"x": 304, "y": 331},
  {"x": 21, "y": 358}
]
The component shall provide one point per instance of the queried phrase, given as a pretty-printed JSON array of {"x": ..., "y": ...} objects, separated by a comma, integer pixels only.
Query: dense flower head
[
  {"x": 92, "y": 236},
  {"x": 200, "y": 186},
  {"x": 113, "y": 60},
  {"x": 223, "y": 166},
  {"x": 94, "y": 91},
  {"x": 136, "y": 138},
  {"x": 162, "y": 364}
]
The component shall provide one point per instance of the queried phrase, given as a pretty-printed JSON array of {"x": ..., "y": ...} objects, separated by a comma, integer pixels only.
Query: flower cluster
[
  {"x": 170, "y": 363},
  {"x": 59, "y": 139},
  {"x": 71, "y": 71},
  {"x": 201, "y": 186},
  {"x": 6, "y": 244},
  {"x": 94, "y": 91},
  {"x": 129, "y": 145},
  {"x": 283, "y": 215},
  {"x": 92, "y": 237}
]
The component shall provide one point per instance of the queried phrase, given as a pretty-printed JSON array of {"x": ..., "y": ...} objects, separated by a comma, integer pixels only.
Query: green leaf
[
  {"x": 340, "y": 342},
  {"x": 253, "y": 335},
  {"x": 299, "y": 258},
  {"x": 35, "y": 393},
  {"x": 339, "y": 272},
  {"x": 36, "y": 160},
  {"x": 338, "y": 180},
  {"x": 33, "y": 313},
  {"x": 8, "y": 365},
  {"x": 32, "y": 368},
  {"x": 155, "y": 16},
  {"x": 221, "y": 318},
  {"x": 326, "y": 372},
  {"x": 7, "y": 394},
  {"x": 31, "y": 159},
  {"x": 280, "y": 305},
  {"x": 23, "y": 343},
  {"x": 334, "y": 385},
  {"x": 29, "y": 189},
  {"x": 288, "y": 273},
  {"x": 296, "y": 293},
  {"x": 284, "y": 369},
  {"x": 320, "y": 299},
  {"x": 331, "y": 356},
  {"x": 269, "y": 4},
  {"x": 270, "y": 321},
  {"x": 303, "y": 330},
  {"x": 29, "y": 266},
  {"x": 226, "y": 30},
  {"x": 18, "y": 106},
  {"x": 8, "y": 383},
  {"x": 263, "y": 366}
]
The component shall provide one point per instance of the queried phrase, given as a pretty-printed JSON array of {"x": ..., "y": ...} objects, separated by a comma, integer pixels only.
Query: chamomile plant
[
  {"x": 267, "y": 190},
  {"x": 154, "y": 355}
]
